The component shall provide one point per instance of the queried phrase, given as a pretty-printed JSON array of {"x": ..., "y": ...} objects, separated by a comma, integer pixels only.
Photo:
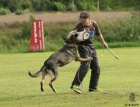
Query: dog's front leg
[{"x": 83, "y": 59}]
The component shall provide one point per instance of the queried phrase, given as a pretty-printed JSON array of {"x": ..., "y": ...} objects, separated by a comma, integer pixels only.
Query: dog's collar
[
  {"x": 70, "y": 53},
  {"x": 69, "y": 45}
]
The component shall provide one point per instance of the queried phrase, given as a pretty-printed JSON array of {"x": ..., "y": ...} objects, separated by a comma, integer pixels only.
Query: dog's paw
[
  {"x": 54, "y": 90},
  {"x": 42, "y": 89}
]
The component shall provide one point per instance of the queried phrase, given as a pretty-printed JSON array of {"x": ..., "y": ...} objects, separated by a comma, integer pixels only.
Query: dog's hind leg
[
  {"x": 42, "y": 82},
  {"x": 51, "y": 85},
  {"x": 53, "y": 73}
]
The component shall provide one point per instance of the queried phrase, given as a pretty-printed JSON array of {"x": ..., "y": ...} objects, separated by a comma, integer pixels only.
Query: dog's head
[
  {"x": 71, "y": 39},
  {"x": 75, "y": 36}
]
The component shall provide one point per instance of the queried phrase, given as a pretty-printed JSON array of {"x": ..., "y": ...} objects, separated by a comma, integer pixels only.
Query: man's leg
[
  {"x": 83, "y": 69},
  {"x": 95, "y": 73}
]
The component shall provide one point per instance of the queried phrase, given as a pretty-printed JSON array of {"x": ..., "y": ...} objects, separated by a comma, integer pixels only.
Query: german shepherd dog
[{"x": 59, "y": 59}]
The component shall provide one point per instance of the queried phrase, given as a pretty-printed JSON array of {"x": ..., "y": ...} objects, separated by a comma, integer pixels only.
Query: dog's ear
[
  {"x": 71, "y": 39},
  {"x": 64, "y": 38},
  {"x": 74, "y": 37}
]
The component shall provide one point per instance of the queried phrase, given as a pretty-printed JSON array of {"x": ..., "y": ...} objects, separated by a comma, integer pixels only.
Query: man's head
[
  {"x": 84, "y": 15},
  {"x": 85, "y": 18}
]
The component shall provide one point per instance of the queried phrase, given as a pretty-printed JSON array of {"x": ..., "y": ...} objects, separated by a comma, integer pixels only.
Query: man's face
[{"x": 86, "y": 22}]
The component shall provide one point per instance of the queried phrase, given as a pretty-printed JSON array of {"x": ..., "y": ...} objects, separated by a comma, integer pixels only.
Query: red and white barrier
[{"x": 37, "y": 37}]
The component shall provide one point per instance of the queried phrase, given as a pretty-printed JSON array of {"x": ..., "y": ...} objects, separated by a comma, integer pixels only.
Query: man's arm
[
  {"x": 99, "y": 34},
  {"x": 102, "y": 40}
]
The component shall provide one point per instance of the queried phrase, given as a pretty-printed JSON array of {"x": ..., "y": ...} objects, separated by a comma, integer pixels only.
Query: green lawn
[{"x": 118, "y": 79}]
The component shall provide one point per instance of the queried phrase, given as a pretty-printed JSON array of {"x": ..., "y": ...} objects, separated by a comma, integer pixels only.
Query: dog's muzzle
[{"x": 82, "y": 36}]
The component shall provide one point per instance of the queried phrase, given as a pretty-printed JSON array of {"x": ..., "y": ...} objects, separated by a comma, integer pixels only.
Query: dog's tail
[{"x": 38, "y": 73}]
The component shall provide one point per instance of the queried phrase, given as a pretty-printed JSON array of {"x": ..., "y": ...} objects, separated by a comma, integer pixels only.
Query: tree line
[{"x": 69, "y": 5}]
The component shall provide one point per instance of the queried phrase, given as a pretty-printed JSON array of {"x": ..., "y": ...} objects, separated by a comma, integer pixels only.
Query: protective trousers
[{"x": 87, "y": 51}]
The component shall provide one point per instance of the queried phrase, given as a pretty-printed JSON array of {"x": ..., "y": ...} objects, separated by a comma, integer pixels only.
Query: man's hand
[
  {"x": 102, "y": 40},
  {"x": 105, "y": 44}
]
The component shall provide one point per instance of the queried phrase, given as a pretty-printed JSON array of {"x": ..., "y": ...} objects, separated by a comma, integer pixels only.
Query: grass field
[{"x": 118, "y": 79}]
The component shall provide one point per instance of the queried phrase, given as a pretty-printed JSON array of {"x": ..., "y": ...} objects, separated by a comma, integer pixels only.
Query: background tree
[
  {"x": 27, "y": 4},
  {"x": 14, "y": 5},
  {"x": 66, "y": 5}
]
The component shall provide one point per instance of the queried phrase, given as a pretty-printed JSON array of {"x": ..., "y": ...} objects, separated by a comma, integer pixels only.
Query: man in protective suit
[{"x": 86, "y": 49}]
